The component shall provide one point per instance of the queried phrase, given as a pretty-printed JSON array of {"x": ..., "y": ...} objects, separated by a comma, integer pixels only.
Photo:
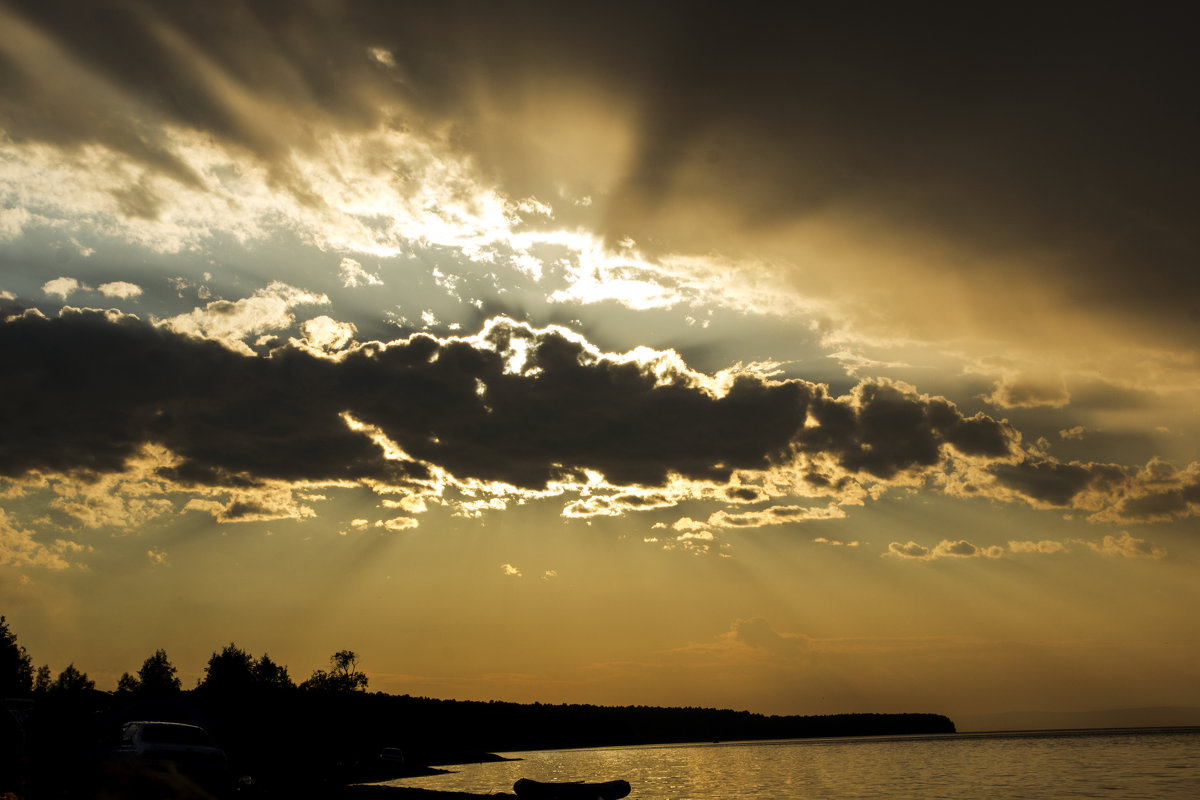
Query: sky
[{"x": 805, "y": 360}]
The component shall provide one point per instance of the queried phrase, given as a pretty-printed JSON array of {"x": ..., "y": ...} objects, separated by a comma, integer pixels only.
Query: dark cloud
[
  {"x": 1160, "y": 503},
  {"x": 86, "y": 392},
  {"x": 887, "y": 430},
  {"x": 517, "y": 405},
  {"x": 1058, "y": 484}
]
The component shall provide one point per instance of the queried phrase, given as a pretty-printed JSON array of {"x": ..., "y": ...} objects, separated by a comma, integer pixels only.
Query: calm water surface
[{"x": 1160, "y": 763}]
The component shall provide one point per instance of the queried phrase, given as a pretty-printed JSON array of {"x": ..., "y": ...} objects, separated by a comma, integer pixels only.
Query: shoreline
[{"x": 377, "y": 792}]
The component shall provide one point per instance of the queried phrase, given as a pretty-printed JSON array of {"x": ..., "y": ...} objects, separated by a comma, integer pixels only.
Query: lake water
[{"x": 1159, "y": 763}]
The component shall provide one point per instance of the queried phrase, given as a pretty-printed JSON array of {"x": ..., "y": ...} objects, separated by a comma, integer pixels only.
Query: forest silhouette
[{"x": 310, "y": 738}]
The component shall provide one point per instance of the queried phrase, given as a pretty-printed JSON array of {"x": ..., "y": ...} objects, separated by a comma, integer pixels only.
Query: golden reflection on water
[{"x": 1158, "y": 764}]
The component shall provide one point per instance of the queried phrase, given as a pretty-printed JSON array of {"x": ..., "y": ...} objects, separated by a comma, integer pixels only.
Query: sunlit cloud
[
  {"x": 120, "y": 289},
  {"x": 944, "y": 549},
  {"x": 1045, "y": 546},
  {"x": 1127, "y": 546},
  {"x": 775, "y": 515},
  {"x": 400, "y": 523},
  {"x": 230, "y": 323},
  {"x": 261, "y": 504},
  {"x": 353, "y": 274},
  {"x": 325, "y": 334},
  {"x": 20, "y": 548},
  {"x": 1025, "y": 393},
  {"x": 63, "y": 287},
  {"x": 510, "y": 570},
  {"x": 835, "y": 542}
]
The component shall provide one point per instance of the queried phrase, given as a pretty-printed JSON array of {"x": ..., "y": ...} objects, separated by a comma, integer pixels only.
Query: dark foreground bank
[{"x": 295, "y": 744}]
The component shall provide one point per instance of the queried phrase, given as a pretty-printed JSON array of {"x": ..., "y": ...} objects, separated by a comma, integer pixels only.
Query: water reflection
[{"x": 1158, "y": 763}]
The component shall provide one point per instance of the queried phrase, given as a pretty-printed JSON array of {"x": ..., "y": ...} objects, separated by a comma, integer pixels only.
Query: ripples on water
[{"x": 1159, "y": 763}]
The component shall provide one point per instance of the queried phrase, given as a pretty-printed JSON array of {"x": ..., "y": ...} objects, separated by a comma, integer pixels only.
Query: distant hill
[{"x": 1149, "y": 717}]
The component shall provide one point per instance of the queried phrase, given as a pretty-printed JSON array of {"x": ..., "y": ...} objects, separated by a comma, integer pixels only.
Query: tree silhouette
[
  {"x": 233, "y": 671},
  {"x": 128, "y": 684},
  {"x": 269, "y": 675},
  {"x": 43, "y": 680},
  {"x": 230, "y": 671},
  {"x": 16, "y": 667},
  {"x": 72, "y": 680},
  {"x": 157, "y": 675},
  {"x": 343, "y": 677}
]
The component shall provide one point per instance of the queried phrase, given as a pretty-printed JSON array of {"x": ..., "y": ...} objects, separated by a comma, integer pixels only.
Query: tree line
[
  {"x": 328, "y": 730},
  {"x": 231, "y": 670}
]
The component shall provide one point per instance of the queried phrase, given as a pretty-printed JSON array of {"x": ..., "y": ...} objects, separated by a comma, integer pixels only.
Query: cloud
[
  {"x": 510, "y": 412},
  {"x": 1046, "y": 546},
  {"x": 944, "y": 549},
  {"x": 510, "y": 570},
  {"x": 734, "y": 161},
  {"x": 401, "y": 523},
  {"x": 619, "y": 504},
  {"x": 157, "y": 557},
  {"x": 775, "y": 515},
  {"x": 327, "y": 334},
  {"x": 20, "y": 548},
  {"x": 63, "y": 287},
  {"x": 1027, "y": 393},
  {"x": 885, "y": 429},
  {"x": 1156, "y": 492},
  {"x": 757, "y": 632},
  {"x": 353, "y": 274},
  {"x": 1045, "y": 482},
  {"x": 751, "y": 640},
  {"x": 835, "y": 542},
  {"x": 910, "y": 550},
  {"x": 412, "y": 503},
  {"x": 231, "y": 322},
  {"x": 120, "y": 289},
  {"x": 262, "y": 503},
  {"x": 1127, "y": 546}
]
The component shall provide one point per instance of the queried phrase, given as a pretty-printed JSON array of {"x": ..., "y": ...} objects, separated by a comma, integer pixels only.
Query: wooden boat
[{"x": 570, "y": 790}]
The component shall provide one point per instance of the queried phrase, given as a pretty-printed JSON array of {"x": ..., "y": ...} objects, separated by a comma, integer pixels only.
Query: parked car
[{"x": 171, "y": 748}]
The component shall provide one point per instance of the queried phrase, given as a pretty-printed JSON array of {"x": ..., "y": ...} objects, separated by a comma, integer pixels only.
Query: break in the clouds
[
  {"x": 939, "y": 146},
  {"x": 186, "y": 407}
]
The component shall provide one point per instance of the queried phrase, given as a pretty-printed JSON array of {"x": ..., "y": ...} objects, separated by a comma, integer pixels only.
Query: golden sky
[{"x": 799, "y": 361}]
